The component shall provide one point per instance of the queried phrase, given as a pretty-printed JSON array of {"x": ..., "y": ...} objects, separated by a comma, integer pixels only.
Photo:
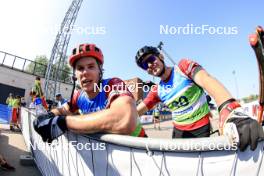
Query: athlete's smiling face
[
  {"x": 88, "y": 74},
  {"x": 154, "y": 65}
]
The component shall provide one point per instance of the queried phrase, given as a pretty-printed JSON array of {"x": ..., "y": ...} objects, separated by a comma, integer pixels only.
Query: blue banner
[{"x": 5, "y": 114}]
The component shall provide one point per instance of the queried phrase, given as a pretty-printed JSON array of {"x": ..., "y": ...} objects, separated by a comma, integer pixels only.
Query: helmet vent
[
  {"x": 87, "y": 48},
  {"x": 74, "y": 51},
  {"x": 80, "y": 48},
  {"x": 96, "y": 49}
]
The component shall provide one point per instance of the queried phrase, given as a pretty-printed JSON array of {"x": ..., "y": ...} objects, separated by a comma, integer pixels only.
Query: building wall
[
  {"x": 5, "y": 90},
  {"x": 19, "y": 79},
  {"x": 135, "y": 86}
]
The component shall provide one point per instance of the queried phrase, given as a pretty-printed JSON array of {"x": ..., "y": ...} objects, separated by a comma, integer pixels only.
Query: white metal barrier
[{"x": 107, "y": 154}]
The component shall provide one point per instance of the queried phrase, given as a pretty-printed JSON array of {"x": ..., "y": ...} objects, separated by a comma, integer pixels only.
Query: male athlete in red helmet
[{"x": 111, "y": 110}]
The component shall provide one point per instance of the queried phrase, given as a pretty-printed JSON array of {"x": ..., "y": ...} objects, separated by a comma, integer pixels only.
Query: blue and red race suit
[{"x": 109, "y": 90}]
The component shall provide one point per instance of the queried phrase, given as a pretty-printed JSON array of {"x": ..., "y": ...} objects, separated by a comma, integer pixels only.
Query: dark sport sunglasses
[{"x": 150, "y": 59}]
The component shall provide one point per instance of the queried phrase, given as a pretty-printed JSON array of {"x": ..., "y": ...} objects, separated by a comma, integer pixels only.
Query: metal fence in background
[{"x": 37, "y": 69}]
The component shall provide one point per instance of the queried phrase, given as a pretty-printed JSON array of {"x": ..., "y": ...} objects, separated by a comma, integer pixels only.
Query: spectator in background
[
  {"x": 23, "y": 102},
  {"x": 9, "y": 99},
  {"x": 156, "y": 115},
  {"x": 9, "y": 102},
  {"x": 32, "y": 94},
  {"x": 15, "y": 103},
  {"x": 38, "y": 93},
  {"x": 60, "y": 100}
]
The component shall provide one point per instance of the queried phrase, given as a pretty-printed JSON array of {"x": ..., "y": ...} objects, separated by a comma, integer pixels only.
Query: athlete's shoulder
[
  {"x": 189, "y": 67},
  {"x": 152, "y": 98},
  {"x": 77, "y": 93},
  {"x": 185, "y": 63},
  {"x": 74, "y": 100}
]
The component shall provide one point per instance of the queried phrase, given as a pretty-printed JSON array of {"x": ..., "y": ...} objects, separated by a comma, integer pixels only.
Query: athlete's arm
[
  {"x": 119, "y": 118},
  {"x": 149, "y": 102},
  {"x": 211, "y": 85},
  {"x": 142, "y": 108},
  {"x": 64, "y": 110}
]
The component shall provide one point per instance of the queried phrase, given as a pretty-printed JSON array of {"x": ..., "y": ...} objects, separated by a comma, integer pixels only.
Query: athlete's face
[
  {"x": 88, "y": 74},
  {"x": 154, "y": 66}
]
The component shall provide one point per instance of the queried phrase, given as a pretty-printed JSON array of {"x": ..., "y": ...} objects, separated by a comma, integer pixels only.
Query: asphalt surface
[{"x": 12, "y": 145}]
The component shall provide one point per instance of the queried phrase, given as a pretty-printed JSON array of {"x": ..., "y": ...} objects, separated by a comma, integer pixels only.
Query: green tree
[
  {"x": 38, "y": 66},
  {"x": 65, "y": 72},
  {"x": 250, "y": 98}
]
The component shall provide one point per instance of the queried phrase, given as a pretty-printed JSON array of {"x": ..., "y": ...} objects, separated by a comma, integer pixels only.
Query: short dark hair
[{"x": 58, "y": 95}]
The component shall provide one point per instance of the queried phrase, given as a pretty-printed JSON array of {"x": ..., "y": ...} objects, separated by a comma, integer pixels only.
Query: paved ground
[
  {"x": 12, "y": 145},
  {"x": 165, "y": 130}
]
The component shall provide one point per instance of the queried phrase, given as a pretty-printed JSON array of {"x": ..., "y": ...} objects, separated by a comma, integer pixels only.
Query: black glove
[
  {"x": 248, "y": 129},
  {"x": 49, "y": 126}
]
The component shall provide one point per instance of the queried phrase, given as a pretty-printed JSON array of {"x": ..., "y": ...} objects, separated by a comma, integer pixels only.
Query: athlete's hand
[
  {"x": 244, "y": 130},
  {"x": 49, "y": 126}
]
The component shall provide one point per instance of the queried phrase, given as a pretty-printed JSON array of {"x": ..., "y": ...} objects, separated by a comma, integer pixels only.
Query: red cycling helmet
[{"x": 86, "y": 50}]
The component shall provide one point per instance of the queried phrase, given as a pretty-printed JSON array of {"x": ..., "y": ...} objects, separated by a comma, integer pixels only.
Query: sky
[{"x": 120, "y": 28}]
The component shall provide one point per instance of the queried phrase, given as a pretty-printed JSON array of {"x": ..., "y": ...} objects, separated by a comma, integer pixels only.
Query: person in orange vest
[
  {"x": 9, "y": 99},
  {"x": 9, "y": 102},
  {"x": 15, "y": 103}
]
